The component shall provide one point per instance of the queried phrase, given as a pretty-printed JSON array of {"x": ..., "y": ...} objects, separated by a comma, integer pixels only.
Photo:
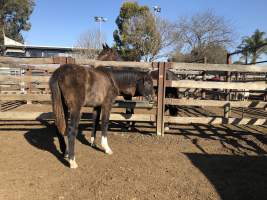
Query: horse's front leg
[
  {"x": 106, "y": 109},
  {"x": 96, "y": 116},
  {"x": 129, "y": 111},
  {"x": 72, "y": 133}
]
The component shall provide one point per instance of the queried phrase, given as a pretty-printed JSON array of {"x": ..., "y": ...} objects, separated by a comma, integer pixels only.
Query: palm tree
[{"x": 253, "y": 47}]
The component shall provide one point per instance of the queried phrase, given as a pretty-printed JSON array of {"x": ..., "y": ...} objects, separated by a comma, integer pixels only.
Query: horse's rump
[{"x": 57, "y": 103}]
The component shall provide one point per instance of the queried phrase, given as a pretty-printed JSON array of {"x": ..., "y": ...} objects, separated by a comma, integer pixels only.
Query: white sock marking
[
  {"x": 104, "y": 144},
  {"x": 73, "y": 163},
  {"x": 92, "y": 140}
]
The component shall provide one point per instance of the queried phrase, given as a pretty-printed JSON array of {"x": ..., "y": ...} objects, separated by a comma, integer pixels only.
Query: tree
[
  {"x": 213, "y": 54},
  {"x": 14, "y": 18},
  {"x": 136, "y": 37},
  {"x": 253, "y": 47},
  {"x": 201, "y": 33},
  {"x": 87, "y": 45},
  {"x": 167, "y": 38}
]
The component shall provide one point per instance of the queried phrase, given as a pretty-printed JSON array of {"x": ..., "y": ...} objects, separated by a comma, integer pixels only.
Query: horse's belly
[
  {"x": 96, "y": 90},
  {"x": 95, "y": 100}
]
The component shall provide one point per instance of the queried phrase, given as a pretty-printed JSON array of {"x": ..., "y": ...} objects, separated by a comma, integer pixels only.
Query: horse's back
[{"x": 83, "y": 85}]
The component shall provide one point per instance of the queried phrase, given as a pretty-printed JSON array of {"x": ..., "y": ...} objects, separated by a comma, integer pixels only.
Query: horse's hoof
[
  {"x": 66, "y": 155},
  {"x": 109, "y": 152},
  {"x": 73, "y": 164},
  {"x": 93, "y": 145}
]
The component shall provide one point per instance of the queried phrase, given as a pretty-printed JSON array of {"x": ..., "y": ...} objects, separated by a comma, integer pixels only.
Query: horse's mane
[{"x": 124, "y": 77}]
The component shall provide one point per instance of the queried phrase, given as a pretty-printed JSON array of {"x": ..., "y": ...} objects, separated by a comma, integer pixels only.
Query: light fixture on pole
[
  {"x": 100, "y": 20},
  {"x": 157, "y": 9}
]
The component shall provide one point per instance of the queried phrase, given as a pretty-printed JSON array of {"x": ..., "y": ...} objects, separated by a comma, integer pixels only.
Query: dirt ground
[{"x": 191, "y": 162}]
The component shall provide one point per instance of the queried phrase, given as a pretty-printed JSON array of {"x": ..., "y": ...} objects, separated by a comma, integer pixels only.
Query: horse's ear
[
  {"x": 104, "y": 47},
  {"x": 148, "y": 74},
  {"x": 107, "y": 47}
]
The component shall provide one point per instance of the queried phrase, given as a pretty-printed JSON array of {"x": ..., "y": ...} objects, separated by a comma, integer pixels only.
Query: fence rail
[{"x": 38, "y": 70}]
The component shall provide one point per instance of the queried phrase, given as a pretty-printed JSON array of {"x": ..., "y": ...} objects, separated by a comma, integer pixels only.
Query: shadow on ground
[
  {"x": 45, "y": 138},
  {"x": 234, "y": 177}
]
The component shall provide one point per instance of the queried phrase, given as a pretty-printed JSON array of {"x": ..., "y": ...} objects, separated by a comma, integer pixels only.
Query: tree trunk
[{"x": 254, "y": 58}]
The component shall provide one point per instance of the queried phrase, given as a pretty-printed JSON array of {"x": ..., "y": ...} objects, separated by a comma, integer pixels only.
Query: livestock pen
[
  {"x": 205, "y": 156},
  {"x": 32, "y": 86}
]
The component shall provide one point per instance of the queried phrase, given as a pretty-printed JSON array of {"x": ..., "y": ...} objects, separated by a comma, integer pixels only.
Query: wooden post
[
  {"x": 203, "y": 93},
  {"x": 46, "y": 90},
  {"x": 228, "y": 92},
  {"x": 22, "y": 83},
  {"x": 70, "y": 60},
  {"x": 265, "y": 95},
  {"x": 227, "y": 110},
  {"x": 29, "y": 89},
  {"x": 228, "y": 78},
  {"x": 161, "y": 98}
]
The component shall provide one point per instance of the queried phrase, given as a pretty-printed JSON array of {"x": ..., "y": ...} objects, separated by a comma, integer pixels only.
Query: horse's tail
[{"x": 57, "y": 104}]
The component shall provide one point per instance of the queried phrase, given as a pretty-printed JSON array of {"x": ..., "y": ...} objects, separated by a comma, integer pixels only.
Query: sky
[{"x": 61, "y": 22}]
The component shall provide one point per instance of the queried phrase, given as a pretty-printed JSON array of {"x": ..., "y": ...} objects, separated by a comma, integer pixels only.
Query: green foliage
[
  {"x": 136, "y": 36},
  {"x": 252, "y": 46},
  {"x": 14, "y": 18}
]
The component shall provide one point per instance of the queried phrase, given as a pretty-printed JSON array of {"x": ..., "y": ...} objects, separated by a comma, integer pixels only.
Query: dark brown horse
[
  {"x": 131, "y": 82},
  {"x": 72, "y": 87},
  {"x": 110, "y": 54}
]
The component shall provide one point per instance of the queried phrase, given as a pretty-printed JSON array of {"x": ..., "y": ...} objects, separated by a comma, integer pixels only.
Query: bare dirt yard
[{"x": 191, "y": 162}]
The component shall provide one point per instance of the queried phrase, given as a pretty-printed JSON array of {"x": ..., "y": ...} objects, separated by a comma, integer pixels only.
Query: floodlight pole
[{"x": 100, "y": 20}]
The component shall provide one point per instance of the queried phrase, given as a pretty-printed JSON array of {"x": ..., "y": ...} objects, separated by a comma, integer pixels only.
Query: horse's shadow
[
  {"x": 46, "y": 139},
  {"x": 43, "y": 138}
]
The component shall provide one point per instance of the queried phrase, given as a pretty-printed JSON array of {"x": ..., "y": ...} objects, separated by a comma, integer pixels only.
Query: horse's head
[
  {"x": 145, "y": 87},
  {"x": 108, "y": 54}
]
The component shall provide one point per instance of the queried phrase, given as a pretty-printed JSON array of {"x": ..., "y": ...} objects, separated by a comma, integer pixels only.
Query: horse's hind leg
[
  {"x": 106, "y": 108},
  {"x": 96, "y": 116},
  {"x": 60, "y": 135},
  {"x": 66, "y": 113},
  {"x": 61, "y": 141},
  {"x": 72, "y": 133}
]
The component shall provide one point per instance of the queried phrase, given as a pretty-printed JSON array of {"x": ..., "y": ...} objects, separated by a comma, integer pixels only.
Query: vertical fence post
[
  {"x": 265, "y": 93},
  {"x": 228, "y": 92},
  {"x": 227, "y": 108},
  {"x": 203, "y": 92},
  {"x": 70, "y": 60},
  {"x": 29, "y": 85},
  {"x": 46, "y": 90},
  {"x": 161, "y": 98},
  {"x": 228, "y": 77}
]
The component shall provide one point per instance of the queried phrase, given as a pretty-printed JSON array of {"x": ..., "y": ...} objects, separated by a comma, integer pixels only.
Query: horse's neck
[{"x": 126, "y": 79}]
